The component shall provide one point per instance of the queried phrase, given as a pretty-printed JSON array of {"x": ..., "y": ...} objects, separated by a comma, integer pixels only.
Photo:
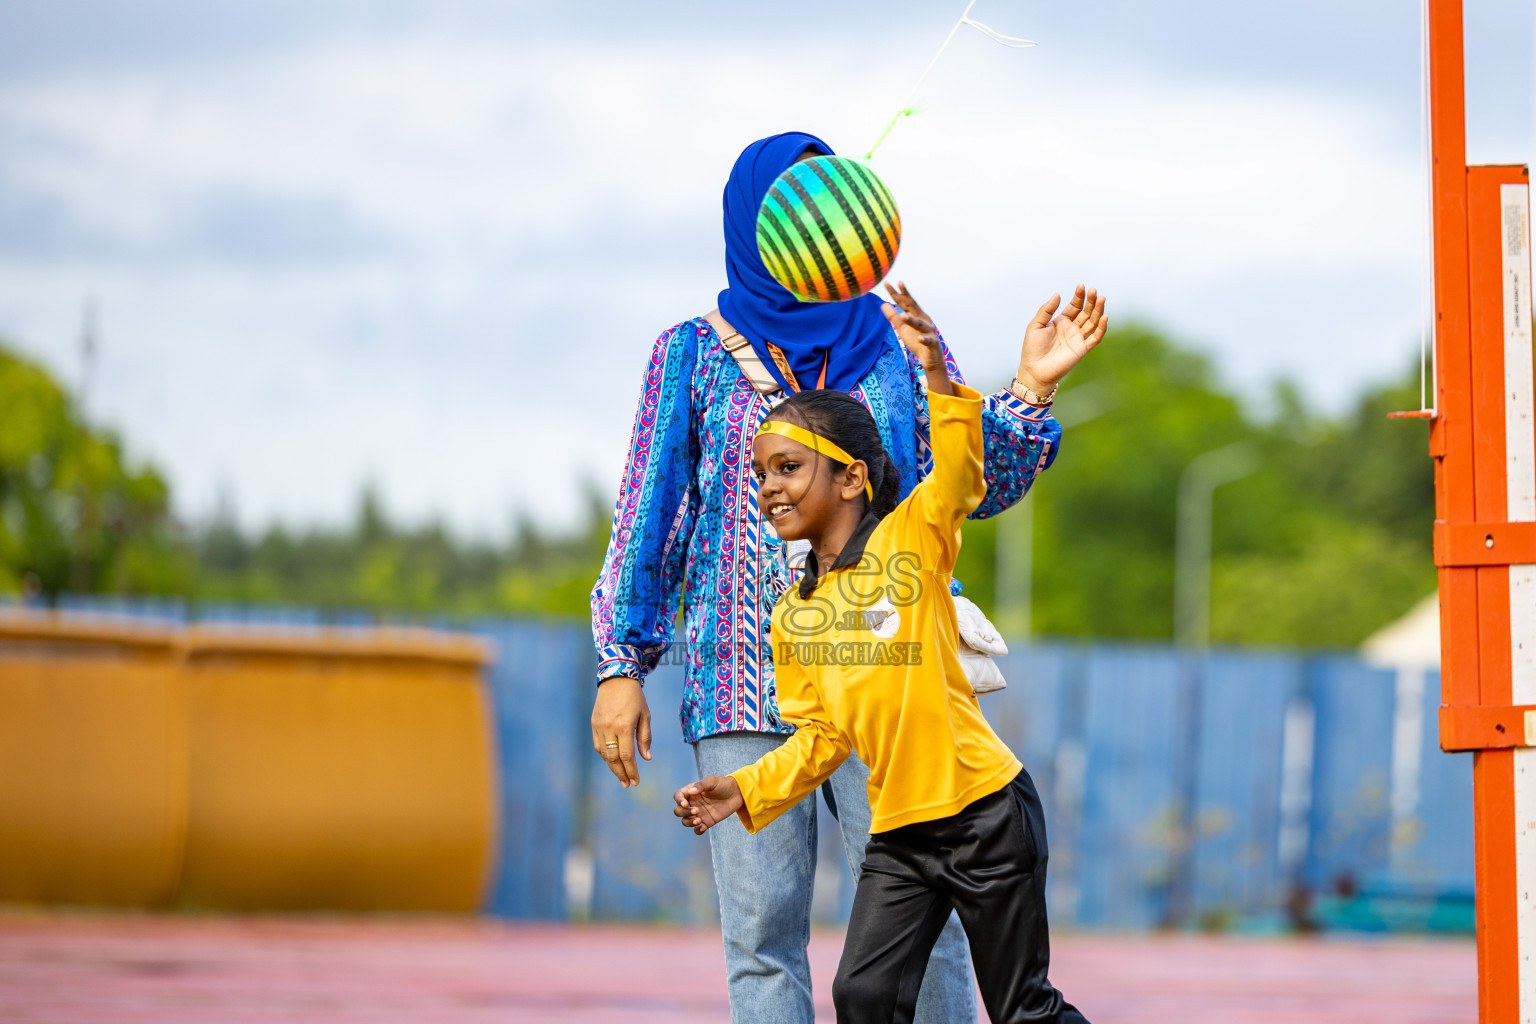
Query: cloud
[{"x": 438, "y": 261}]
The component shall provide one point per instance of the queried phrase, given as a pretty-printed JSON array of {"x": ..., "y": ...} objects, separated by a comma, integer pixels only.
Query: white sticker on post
[
  {"x": 1520, "y": 476},
  {"x": 1519, "y": 429}
]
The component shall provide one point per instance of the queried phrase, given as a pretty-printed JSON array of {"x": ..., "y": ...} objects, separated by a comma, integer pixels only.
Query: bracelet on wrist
[{"x": 1024, "y": 393}]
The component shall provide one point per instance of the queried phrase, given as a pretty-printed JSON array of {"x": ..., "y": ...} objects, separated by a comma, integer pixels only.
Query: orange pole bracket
[
  {"x": 1487, "y": 727},
  {"x": 1485, "y": 543}
]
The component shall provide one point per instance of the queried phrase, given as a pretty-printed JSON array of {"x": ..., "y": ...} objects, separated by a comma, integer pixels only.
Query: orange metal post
[
  {"x": 1467, "y": 442},
  {"x": 1451, "y": 431},
  {"x": 1493, "y": 770}
]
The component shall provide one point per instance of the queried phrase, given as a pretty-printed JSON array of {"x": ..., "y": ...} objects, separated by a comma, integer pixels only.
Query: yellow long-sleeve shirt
[{"x": 869, "y": 660}]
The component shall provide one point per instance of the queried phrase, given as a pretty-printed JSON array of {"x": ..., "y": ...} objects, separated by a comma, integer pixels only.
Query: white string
[
  {"x": 1427, "y": 240},
  {"x": 1013, "y": 42}
]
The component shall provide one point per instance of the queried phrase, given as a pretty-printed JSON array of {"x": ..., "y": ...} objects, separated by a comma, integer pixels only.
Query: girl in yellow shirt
[{"x": 866, "y": 656}]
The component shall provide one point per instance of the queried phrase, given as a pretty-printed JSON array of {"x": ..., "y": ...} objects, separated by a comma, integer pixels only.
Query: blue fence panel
[
  {"x": 1160, "y": 773},
  {"x": 1028, "y": 714},
  {"x": 1437, "y": 854},
  {"x": 1131, "y": 804},
  {"x": 259, "y": 614},
  {"x": 154, "y": 609},
  {"x": 646, "y": 865},
  {"x": 1235, "y": 870},
  {"x": 1350, "y": 821},
  {"x": 1040, "y": 716},
  {"x": 540, "y": 687},
  {"x": 354, "y": 619}
]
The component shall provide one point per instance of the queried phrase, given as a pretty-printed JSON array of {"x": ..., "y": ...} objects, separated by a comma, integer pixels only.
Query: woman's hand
[
  {"x": 917, "y": 332},
  {"x": 707, "y": 802},
  {"x": 621, "y": 725},
  {"x": 1052, "y": 346}
]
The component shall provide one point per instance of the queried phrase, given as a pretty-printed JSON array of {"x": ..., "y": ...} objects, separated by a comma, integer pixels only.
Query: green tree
[
  {"x": 75, "y": 513},
  {"x": 1351, "y": 551},
  {"x": 1325, "y": 542},
  {"x": 1328, "y": 540},
  {"x": 1104, "y": 512},
  {"x": 376, "y": 565}
]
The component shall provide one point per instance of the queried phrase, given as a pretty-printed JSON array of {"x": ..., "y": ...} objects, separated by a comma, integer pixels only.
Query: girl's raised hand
[
  {"x": 707, "y": 802},
  {"x": 917, "y": 332},
  {"x": 1053, "y": 345},
  {"x": 913, "y": 327}
]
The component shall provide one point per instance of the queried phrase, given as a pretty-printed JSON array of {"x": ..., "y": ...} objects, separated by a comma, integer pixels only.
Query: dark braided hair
[{"x": 843, "y": 420}]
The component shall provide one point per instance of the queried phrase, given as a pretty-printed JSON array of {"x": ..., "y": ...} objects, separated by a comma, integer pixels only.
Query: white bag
[{"x": 980, "y": 642}]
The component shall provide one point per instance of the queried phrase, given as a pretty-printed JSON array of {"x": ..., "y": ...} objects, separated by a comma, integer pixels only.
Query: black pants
[{"x": 987, "y": 862}]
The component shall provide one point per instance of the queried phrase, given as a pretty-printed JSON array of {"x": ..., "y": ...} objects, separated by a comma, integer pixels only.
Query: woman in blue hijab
[
  {"x": 687, "y": 533},
  {"x": 764, "y": 311}
]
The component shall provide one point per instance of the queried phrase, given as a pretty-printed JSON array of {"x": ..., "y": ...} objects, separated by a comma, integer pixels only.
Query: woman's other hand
[
  {"x": 621, "y": 725},
  {"x": 707, "y": 802},
  {"x": 1054, "y": 344},
  {"x": 917, "y": 332}
]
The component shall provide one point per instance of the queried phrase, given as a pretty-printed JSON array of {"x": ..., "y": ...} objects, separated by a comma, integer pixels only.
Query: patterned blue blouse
[{"x": 686, "y": 526}]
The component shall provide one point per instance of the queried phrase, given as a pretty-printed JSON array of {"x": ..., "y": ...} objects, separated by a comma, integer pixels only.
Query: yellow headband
[{"x": 816, "y": 443}]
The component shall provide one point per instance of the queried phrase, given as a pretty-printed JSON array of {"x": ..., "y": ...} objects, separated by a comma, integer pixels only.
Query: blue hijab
[{"x": 853, "y": 332}]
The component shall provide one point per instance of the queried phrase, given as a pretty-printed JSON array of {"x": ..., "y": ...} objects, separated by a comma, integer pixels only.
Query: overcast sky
[{"x": 429, "y": 245}]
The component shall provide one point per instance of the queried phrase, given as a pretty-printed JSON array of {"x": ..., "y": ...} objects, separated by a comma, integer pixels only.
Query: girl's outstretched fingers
[
  {"x": 682, "y": 808},
  {"x": 707, "y": 802},
  {"x": 903, "y": 297},
  {"x": 915, "y": 316},
  {"x": 686, "y": 808},
  {"x": 913, "y": 326}
]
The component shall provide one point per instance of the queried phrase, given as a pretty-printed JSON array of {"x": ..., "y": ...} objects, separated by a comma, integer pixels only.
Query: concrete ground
[{"x": 134, "y": 969}]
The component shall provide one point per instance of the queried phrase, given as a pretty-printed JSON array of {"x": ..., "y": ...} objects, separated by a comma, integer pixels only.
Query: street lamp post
[
  {"x": 1192, "y": 629},
  {"x": 1015, "y": 567},
  {"x": 1192, "y": 552},
  {"x": 1014, "y": 560}
]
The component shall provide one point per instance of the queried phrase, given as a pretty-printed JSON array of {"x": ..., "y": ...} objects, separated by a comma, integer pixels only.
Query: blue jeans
[{"x": 764, "y": 883}]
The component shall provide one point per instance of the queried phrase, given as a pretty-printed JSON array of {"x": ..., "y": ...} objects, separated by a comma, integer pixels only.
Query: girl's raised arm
[
  {"x": 922, "y": 339},
  {"x": 779, "y": 779}
]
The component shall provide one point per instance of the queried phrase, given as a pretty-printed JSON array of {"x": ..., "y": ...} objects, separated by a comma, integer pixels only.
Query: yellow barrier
[{"x": 345, "y": 770}]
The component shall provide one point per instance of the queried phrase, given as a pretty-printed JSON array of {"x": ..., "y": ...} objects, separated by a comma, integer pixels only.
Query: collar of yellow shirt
[{"x": 850, "y": 555}]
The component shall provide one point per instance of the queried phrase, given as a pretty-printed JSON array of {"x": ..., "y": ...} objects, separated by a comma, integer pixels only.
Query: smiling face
[{"x": 797, "y": 489}]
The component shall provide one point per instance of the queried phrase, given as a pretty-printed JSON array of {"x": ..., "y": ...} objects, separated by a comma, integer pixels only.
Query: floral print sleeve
[{"x": 634, "y": 604}]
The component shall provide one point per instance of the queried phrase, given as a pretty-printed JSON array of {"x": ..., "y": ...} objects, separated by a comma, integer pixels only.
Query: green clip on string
[
  {"x": 903, "y": 112},
  {"x": 910, "y": 108}
]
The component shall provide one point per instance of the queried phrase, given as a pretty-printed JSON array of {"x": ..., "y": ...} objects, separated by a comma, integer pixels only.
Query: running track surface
[{"x": 127, "y": 969}]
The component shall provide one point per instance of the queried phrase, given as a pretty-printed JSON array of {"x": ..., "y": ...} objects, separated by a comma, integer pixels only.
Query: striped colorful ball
[{"x": 828, "y": 229}]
